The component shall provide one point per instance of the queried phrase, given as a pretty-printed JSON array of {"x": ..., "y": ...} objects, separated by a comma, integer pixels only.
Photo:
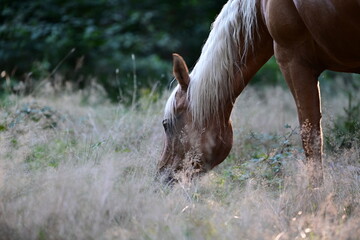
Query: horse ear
[{"x": 181, "y": 71}]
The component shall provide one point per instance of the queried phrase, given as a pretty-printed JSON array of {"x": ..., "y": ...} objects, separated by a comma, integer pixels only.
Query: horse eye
[{"x": 165, "y": 124}]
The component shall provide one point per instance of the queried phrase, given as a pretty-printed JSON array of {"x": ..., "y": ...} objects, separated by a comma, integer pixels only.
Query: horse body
[
  {"x": 339, "y": 36},
  {"x": 306, "y": 38}
]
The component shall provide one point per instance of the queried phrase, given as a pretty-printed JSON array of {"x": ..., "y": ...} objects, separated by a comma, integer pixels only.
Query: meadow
[{"x": 75, "y": 166}]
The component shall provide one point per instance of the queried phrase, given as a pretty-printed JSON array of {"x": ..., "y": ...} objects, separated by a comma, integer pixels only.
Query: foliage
[
  {"x": 345, "y": 132},
  {"x": 267, "y": 155},
  {"x": 46, "y": 116},
  {"x": 101, "y": 38},
  {"x": 125, "y": 44}
]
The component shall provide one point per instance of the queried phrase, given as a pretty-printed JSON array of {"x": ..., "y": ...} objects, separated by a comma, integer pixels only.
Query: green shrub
[
  {"x": 268, "y": 154},
  {"x": 345, "y": 133}
]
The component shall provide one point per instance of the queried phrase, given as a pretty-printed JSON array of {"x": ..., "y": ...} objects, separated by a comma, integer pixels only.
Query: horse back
[{"x": 332, "y": 27}]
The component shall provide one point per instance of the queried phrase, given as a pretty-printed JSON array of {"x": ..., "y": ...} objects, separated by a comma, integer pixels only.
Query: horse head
[{"x": 191, "y": 148}]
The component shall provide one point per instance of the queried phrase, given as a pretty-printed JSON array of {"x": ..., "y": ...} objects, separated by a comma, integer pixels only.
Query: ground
[{"x": 74, "y": 167}]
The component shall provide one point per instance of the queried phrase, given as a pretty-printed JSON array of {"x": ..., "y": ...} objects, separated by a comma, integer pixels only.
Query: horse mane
[{"x": 212, "y": 78}]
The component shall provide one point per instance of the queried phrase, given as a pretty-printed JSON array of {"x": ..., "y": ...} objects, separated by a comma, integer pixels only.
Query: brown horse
[{"x": 306, "y": 37}]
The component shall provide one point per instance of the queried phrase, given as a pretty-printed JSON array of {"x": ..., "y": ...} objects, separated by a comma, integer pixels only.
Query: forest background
[{"x": 125, "y": 45}]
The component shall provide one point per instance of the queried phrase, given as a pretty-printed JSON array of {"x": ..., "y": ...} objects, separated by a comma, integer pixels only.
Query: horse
[{"x": 306, "y": 38}]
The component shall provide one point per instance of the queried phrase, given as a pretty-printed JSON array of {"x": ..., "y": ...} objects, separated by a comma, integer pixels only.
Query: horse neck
[
  {"x": 256, "y": 57},
  {"x": 227, "y": 62},
  {"x": 263, "y": 50},
  {"x": 260, "y": 52}
]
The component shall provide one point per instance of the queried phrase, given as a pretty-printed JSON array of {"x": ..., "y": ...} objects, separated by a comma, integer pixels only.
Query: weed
[
  {"x": 46, "y": 116},
  {"x": 3, "y": 128},
  {"x": 345, "y": 132},
  {"x": 268, "y": 154},
  {"x": 92, "y": 177}
]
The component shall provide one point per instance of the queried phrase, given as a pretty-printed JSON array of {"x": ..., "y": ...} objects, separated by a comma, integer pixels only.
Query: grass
[{"x": 71, "y": 169}]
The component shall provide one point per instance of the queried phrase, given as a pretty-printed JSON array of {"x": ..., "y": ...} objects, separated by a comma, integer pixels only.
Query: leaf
[{"x": 3, "y": 128}]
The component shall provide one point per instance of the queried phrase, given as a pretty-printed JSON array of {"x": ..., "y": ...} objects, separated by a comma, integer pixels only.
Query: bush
[
  {"x": 268, "y": 155},
  {"x": 345, "y": 132}
]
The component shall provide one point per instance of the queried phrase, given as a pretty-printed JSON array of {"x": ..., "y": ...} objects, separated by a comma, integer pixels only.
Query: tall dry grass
[{"x": 78, "y": 170}]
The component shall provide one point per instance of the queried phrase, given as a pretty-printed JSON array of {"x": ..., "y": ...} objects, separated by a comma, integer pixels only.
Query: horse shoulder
[{"x": 284, "y": 23}]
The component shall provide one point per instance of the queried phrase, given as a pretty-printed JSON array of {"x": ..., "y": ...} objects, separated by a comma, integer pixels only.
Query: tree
[{"x": 35, "y": 36}]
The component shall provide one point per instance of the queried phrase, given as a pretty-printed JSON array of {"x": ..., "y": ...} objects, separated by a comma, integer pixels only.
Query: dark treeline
[
  {"x": 111, "y": 41},
  {"x": 97, "y": 38}
]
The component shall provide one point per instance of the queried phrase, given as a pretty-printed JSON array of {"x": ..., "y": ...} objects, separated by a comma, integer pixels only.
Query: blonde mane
[{"x": 212, "y": 77}]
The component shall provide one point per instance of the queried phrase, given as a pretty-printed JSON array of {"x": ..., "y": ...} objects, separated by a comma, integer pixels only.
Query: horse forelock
[
  {"x": 211, "y": 80},
  {"x": 169, "y": 112}
]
